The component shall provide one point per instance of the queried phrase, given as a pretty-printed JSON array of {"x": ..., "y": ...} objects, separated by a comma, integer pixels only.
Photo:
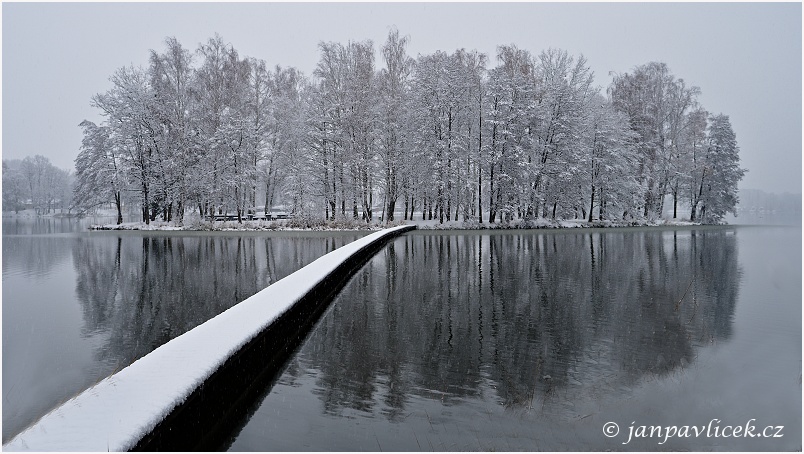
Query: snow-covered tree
[
  {"x": 609, "y": 162},
  {"x": 134, "y": 132},
  {"x": 512, "y": 89},
  {"x": 392, "y": 90},
  {"x": 100, "y": 171},
  {"x": 348, "y": 122},
  {"x": 258, "y": 105},
  {"x": 225, "y": 131},
  {"x": 291, "y": 163},
  {"x": 531, "y": 137},
  {"x": 563, "y": 105},
  {"x": 170, "y": 77},
  {"x": 445, "y": 107},
  {"x": 693, "y": 146},
  {"x": 14, "y": 194},
  {"x": 657, "y": 104},
  {"x": 717, "y": 186}
]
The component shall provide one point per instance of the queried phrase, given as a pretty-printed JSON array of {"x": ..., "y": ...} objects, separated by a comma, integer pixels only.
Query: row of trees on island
[{"x": 443, "y": 136}]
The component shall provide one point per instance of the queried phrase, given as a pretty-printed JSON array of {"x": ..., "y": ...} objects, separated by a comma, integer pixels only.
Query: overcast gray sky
[{"x": 745, "y": 57}]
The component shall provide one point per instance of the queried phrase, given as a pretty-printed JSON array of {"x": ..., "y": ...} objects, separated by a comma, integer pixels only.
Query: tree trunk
[
  {"x": 675, "y": 204},
  {"x": 119, "y": 205},
  {"x": 602, "y": 206},
  {"x": 492, "y": 205},
  {"x": 479, "y": 194},
  {"x": 145, "y": 203},
  {"x": 391, "y": 208},
  {"x": 479, "y": 162}
]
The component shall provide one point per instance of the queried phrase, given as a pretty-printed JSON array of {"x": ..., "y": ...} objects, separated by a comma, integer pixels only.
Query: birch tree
[{"x": 392, "y": 90}]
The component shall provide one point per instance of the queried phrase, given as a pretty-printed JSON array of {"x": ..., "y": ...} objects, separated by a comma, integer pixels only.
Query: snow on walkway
[{"x": 118, "y": 411}]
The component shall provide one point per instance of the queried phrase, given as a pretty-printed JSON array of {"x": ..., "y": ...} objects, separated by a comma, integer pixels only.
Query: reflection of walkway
[{"x": 194, "y": 369}]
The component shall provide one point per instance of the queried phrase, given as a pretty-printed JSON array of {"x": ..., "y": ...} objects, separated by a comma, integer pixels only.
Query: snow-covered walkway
[{"x": 117, "y": 412}]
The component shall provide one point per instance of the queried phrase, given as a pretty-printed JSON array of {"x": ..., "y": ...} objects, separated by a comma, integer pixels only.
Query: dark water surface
[
  {"x": 79, "y": 305},
  {"x": 535, "y": 340}
]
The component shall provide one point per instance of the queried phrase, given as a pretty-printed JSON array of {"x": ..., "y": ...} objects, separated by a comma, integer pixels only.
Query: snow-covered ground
[
  {"x": 115, "y": 413},
  {"x": 543, "y": 224},
  {"x": 376, "y": 225}
]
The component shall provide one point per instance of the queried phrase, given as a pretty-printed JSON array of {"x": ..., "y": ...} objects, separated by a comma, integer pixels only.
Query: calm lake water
[
  {"x": 79, "y": 305},
  {"x": 535, "y": 340},
  {"x": 524, "y": 340}
]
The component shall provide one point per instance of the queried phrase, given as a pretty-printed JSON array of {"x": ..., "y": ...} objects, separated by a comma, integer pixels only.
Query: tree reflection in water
[
  {"x": 78, "y": 305},
  {"x": 143, "y": 290},
  {"x": 530, "y": 318}
]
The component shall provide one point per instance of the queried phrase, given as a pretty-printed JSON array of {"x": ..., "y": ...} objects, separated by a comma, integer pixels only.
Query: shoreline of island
[{"x": 335, "y": 226}]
